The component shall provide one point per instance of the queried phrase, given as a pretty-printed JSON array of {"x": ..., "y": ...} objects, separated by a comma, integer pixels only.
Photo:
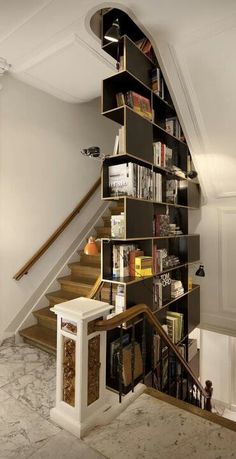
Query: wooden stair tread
[
  {"x": 94, "y": 260},
  {"x": 40, "y": 335}
]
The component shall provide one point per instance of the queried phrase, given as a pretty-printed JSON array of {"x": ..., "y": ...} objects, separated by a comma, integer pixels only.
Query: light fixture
[
  {"x": 92, "y": 152},
  {"x": 192, "y": 174},
  {"x": 113, "y": 33},
  {"x": 91, "y": 247},
  {"x": 200, "y": 271}
]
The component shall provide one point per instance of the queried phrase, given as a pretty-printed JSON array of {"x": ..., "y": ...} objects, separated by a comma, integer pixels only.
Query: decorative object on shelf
[
  {"x": 200, "y": 271},
  {"x": 91, "y": 247}
]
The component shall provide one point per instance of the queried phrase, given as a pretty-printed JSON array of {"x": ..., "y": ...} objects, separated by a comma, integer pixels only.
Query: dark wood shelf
[
  {"x": 173, "y": 300},
  {"x": 117, "y": 198}
]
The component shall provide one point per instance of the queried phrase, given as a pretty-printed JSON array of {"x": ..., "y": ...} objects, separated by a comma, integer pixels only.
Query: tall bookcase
[{"x": 139, "y": 136}]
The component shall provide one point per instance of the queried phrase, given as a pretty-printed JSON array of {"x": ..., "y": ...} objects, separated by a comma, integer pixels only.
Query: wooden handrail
[
  {"x": 134, "y": 312},
  {"x": 95, "y": 288},
  {"x": 25, "y": 269}
]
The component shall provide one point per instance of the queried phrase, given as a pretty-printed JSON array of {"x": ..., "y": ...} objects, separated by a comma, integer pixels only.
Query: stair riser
[
  {"x": 51, "y": 324},
  {"x": 90, "y": 260},
  {"x": 103, "y": 232},
  {"x": 85, "y": 272},
  {"x": 78, "y": 289},
  {"x": 40, "y": 346}
]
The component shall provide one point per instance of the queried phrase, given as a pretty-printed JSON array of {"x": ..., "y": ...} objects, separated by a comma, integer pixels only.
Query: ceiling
[{"x": 49, "y": 43}]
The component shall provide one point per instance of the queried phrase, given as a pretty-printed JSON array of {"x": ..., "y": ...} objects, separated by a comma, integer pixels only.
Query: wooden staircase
[{"x": 82, "y": 278}]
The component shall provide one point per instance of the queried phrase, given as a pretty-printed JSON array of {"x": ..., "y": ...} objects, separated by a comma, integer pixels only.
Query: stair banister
[{"x": 37, "y": 255}]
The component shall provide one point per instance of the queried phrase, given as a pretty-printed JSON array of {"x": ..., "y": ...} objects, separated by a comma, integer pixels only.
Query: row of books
[
  {"x": 163, "y": 227},
  {"x": 175, "y": 326},
  {"x": 129, "y": 260},
  {"x": 162, "y": 155},
  {"x": 146, "y": 47},
  {"x": 138, "y": 103},
  {"x": 126, "y": 360},
  {"x": 130, "y": 179},
  {"x": 157, "y": 83},
  {"x": 161, "y": 290},
  {"x": 172, "y": 126}
]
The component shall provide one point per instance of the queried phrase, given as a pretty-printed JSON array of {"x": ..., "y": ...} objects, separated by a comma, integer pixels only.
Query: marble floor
[
  {"x": 148, "y": 429},
  {"x": 27, "y": 390}
]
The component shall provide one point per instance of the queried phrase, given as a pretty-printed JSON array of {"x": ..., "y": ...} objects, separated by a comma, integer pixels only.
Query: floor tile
[
  {"x": 36, "y": 389},
  {"x": 15, "y": 361},
  {"x": 64, "y": 445},
  {"x": 147, "y": 429},
  {"x": 22, "y": 431}
]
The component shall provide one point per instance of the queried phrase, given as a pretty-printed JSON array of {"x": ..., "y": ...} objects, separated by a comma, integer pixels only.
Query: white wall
[
  {"x": 43, "y": 177},
  {"x": 217, "y": 359}
]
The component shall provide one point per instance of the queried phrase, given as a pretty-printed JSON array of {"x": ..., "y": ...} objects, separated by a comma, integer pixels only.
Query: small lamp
[
  {"x": 113, "y": 33},
  {"x": 91, "y": 247},
  {"x": 200, "y": 271}
]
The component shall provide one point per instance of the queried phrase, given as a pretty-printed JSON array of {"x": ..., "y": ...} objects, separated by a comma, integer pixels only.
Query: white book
[
  {"x": 122, "y": 140},
  {"x": 116, "y": 146}
]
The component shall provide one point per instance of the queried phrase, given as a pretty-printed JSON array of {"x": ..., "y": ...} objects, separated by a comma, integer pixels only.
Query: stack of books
[
  {"x": 161, "y": 290},
  {"x": 157, "y": 83},
  {"x": 175, "y": 325},
  {"x": 162, "y": 155},
  {"x": 146, "y": 47},
  {"x": 161, "y": 225},
  {"x": 176, "y": 288},
  {"x": 172, "y": 191},
  {"x": 138, "y": 103},
  {"x": 174, "y": 230},
  {"x": 143, "y": 266},
  {"x": 130, "y": 179}
]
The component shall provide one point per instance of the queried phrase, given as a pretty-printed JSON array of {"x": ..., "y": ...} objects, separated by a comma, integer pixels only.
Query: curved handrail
[
  {"x": 26, "y": 267},
  {"x": 134, "y": 312}
]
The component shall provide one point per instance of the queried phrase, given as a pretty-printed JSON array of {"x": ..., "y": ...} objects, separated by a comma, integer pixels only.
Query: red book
[{"x": 132, "y": 255}]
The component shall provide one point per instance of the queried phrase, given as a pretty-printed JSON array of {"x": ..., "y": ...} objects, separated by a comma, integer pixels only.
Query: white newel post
[{"x": 81, "y": 364}]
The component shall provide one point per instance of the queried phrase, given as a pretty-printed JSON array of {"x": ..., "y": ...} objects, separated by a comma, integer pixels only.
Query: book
[
  {"x": 124, "y": 258},
  {"x": 120, "y": 99},
  {"x": 143, "y": 266},
  {"x": 175, "y": 322},
  {"x": 116, "y": 146},
  {"x": 118, "y": 226},
  {"x": 133, "y": 253},
  {"x": 122, "y": 179},
  {"x": 114, "y": 350},
  {"x": 157, "y": 293},
  {"x": 162, "y": 225},
  {"x": 120, "y": 299},
  {"x": 121, "y": 140},
  {"x": 139, "y": 104},
  {"x": 172, "y": 191},
  {"x": 172, "y": 126},
  {"x": 127, "y": 363},
  {"x": 115, "y": 262}
]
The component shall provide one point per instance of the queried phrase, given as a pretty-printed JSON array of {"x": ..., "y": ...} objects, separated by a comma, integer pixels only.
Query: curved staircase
[{"x": 80, "y": 281}]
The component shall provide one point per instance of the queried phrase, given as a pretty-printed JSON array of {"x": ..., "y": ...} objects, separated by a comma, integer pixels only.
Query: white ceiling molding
[{"x": 25, "y": 18}]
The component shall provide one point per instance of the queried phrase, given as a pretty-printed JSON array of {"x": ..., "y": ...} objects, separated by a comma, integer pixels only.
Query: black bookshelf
[{"x": 139, "y": 135}]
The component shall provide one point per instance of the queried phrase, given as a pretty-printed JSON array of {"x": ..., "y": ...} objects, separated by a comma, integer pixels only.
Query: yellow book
[
  {"x": 143, "y": 266},
  {"x": 143, "y": 272}
]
